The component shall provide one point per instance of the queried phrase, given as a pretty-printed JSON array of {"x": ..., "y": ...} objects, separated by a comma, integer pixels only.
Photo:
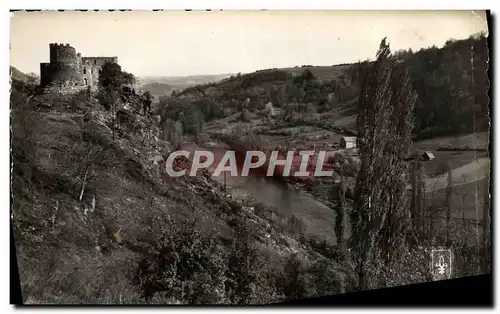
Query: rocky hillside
[
  {"x": 97, "y": 219},
  {"x": 15, "y": 74}
]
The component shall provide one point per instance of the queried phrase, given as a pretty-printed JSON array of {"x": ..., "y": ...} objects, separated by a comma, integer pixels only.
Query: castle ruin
[{"x": 68, "y": 71}]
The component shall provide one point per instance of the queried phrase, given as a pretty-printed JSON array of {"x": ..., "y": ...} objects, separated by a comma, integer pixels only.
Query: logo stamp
[{"x": 441, "y": 264}]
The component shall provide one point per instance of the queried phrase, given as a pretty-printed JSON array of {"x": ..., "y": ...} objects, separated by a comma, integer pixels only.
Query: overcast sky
[{"x": 179, "y": 43}]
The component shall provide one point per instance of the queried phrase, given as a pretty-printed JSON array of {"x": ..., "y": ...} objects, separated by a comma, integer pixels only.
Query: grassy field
[
  {"x": 443, "y": 160},
  {"x": 467, "y": 200},
  {"x": 479, "y": 140}
]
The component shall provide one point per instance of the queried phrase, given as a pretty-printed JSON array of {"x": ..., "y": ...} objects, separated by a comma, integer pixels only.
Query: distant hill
[
  {"x": 321, "y": 72},
  {"x": 158, "y": 89},
  {"x": 260, "y": 85},
  {"x": 452, "y": 92},
  {"x": 18, "y": 75},
  {"x": 164, "y": 85},
  {"x": 21, "y": 81}
]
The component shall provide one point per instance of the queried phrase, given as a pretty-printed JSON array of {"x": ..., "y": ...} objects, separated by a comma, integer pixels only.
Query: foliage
[
  {"x": 384, "y": 121},
  {"x": 173, "y": 132},
  {"x": 194, "y": 121},
  {"x": 306, "y": 88},
  {"x": 107, "y": 98},
  {"x": 299, "y": 112},
  {"x": 192, "y": 114},
  {"x": 112, "y": 76},
  {"x": 244, "y": 115},
  {"x": 185, "y": 263},
  {"x": 451, "y": 84},
  {"x": 210, "y": 109},
  {"x": 277, "y": 95}
]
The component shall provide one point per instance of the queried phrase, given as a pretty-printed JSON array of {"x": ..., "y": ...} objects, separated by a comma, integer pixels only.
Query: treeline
[
  {"x": 452, "y": 86},
  {"x": 451, "y": 83},
  {"x": 192, "y": 114},
  {"x": 324, "y": 94}
]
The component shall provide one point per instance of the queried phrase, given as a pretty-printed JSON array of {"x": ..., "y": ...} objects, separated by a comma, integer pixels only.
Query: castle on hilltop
[{"x": 68, "y": 71}]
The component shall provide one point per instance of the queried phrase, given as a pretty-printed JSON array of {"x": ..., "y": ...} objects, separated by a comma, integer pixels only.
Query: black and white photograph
[{"x": 248, "y": 157}]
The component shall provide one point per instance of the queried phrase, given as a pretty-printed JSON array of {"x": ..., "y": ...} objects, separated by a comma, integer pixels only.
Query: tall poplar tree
[{"x": 385, "y": 123}]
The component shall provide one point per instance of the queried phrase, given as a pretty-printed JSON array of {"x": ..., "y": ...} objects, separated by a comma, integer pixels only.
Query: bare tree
[
  {"x": 172, "y": 132},
  {"x": 84, "y": 171}
]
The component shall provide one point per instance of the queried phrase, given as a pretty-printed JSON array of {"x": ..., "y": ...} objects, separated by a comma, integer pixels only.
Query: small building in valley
[
  {"x": 427, "y": 156},
  {"x": 347, "y": 142}
]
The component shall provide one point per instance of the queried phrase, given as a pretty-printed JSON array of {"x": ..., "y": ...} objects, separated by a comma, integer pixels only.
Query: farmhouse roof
[
  {"x": 428, "y": 154},
  {"x": 349, "y": 138}
]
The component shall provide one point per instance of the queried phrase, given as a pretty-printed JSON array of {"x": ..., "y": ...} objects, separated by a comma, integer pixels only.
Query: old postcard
[{"x": 247, "y": 157}]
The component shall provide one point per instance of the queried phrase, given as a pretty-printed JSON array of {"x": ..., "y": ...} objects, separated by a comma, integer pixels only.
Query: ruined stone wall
[
  {"x": 46, "y": 72},
  {"x": 92, "y": 66},
  {"x": 99, "y": 61},
  {"x": 64, "y": 90},
  {"x": 89, "y": 74}
]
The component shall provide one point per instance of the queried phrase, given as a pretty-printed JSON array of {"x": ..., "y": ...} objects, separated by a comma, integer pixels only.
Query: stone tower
[{"x": 68, "y": 72}]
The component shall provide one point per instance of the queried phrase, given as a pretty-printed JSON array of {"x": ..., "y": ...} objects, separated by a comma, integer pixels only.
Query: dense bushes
[
  {"x": 299, "y": 112},
  {"x": 192, "y": 114},
  {"x": 452, "y": 89},
  {"x": 111, "y": 78},
  {"x": 190, "y": 264},
  {"x": 184, "y": 263}
]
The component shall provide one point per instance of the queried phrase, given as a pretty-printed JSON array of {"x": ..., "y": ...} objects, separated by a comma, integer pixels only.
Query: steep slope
[
  {"x": 18, "y": 75},
  {"x": 97, "y": 220}
]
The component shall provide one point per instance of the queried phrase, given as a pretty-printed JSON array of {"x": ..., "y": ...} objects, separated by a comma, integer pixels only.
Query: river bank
[{"x": 318, "y": 218}]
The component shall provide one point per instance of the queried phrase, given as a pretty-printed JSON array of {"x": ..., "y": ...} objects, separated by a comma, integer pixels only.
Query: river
[{"x": 319, "y": 219}]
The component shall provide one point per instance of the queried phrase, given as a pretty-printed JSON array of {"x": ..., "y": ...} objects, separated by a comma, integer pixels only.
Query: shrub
[
  {"x": 107, "y": 98},
  {"x": 248, "y": 271},
  {"x": 295, "y": 282},
  {"x": 185, "y": 263},
  {"x": 113, "y": 77},
  {"x": 295, "y": 226},
  {"x": 299, "y": 112},
  {"x": 244, "y": 116}
]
